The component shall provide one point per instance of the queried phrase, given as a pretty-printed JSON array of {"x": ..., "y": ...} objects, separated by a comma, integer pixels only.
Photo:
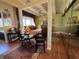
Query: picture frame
[
  {"x": 7, "y": 18},
  {"x": 72, "y": 20}
]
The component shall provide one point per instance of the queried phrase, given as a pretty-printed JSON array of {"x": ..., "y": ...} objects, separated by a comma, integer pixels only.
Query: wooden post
[
  {"x": 21, "y": 18},
  {"x": 51, "y": 13}
]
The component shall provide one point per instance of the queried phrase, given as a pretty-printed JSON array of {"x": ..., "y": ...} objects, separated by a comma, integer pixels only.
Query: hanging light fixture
[{"x": 27, "y": 30}]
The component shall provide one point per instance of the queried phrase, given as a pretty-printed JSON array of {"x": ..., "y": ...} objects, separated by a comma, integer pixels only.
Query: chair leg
[
  {"x": 44, "y": 46},
  {"x": 36, "y": 47},
  {"x": 22, "y": 43}
]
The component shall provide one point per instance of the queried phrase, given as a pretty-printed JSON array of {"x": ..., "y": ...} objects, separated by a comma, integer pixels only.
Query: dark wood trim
[
  {"x": 0, "y": 15},
  {"x": 28, "y": 14},
  {"x": 17, "y": 14},
  {"x": 69, "y": 7}
]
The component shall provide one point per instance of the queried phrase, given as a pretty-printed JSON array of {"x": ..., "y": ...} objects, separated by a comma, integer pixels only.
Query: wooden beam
[
  {"x": 34, "y": 3},
  {"x": 69, "y": 7},
  {"x": 13, "y": 3},
  {"x": 30, "y": 11},
  {"x": 22, "y": 2},
  {"x": 36, "y": 12},
  {"x": 65, "y": 4},
  {"x": 21, "y": 22},
  {"x": 51, "y": 15},
  {"x": 42, "y": 9},
  {"x": 49, "y": 38},
  {"x": 76, "y": 6}
]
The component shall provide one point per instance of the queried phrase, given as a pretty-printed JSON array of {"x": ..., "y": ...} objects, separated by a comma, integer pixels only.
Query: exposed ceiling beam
[
  {"x": 71, "y": 4},
  {"x": 76, "y": 6},
  {"x": 11, "y": 2},
  {"x": 32, "y": 12},
  {"x": 42, "y": 9},
  {"x": 65, "y": 5},
  {"x": 34, "y": 3},
  {"x": 36, "y": 12},
  {"x": 68, "y": 3},
  {"x": 22, "y": 2}
]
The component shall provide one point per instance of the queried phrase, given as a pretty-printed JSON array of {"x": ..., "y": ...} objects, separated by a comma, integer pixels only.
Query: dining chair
[
  {"x": 40, "y": 41},
  {"x": 26, "y": 40}
]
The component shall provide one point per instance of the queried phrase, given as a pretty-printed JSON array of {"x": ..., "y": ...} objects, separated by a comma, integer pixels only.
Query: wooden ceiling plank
[
  {"x": 76, "y": 7},
  {"x": 11, "y": 2},
  {"x": 22, "y": 2},
  {"x": 34, "y": 10},
  {"x": 31, "y": 12},
  {"x": 42, "y": 9},
  {"x": 34, "y": 3}
]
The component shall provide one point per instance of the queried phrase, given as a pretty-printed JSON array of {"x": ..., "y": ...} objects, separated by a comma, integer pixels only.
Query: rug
[
  {"x": 23, "y": 53},
  {"x": 2, "y": 41},
  {"x": 4, "y": 48}
]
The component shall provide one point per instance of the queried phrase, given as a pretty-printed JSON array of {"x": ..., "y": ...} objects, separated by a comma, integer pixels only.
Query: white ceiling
[
  {"x": 60, "y": 5},
  {"x": 39, "y": 7},
  {"x": 76, "y": 5},
  {"x": 38, "y": 10}
]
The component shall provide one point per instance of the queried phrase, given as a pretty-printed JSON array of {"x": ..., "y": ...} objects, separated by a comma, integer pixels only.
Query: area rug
[
  {"x": 23, "y": 53},
  {"x": 2, "y": 42}
]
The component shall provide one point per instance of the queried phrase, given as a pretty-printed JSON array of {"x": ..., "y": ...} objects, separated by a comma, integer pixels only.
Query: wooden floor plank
[{"x": 61, "y": 50}]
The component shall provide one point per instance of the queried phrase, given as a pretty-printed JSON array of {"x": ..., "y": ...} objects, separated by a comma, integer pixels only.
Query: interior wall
[
  {"x": 39, "y": 20},
  {"x": 70, "y": 28},
  {"x": 62, "y": 23},
  {"x": 57, "y": 23},
  {"x": 4, "y": 6}
]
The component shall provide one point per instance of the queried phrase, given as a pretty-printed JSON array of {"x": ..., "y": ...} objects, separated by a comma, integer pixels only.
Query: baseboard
[{"x": 48, "y": 48}]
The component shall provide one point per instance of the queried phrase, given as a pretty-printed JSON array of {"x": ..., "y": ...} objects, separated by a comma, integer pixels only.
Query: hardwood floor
[
  {"x": 20, "y": 53},
  {"x": 4, "y": 47},
  {"x": 61, "y": 50},
  {"x": 14, "y": 50}
]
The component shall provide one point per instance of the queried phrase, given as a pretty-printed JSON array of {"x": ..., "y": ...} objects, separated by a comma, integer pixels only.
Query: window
[
  {"x": 7, "y": 18},
  {"x": 29, "y": 21},
  {"x": 1, "y": 22}
]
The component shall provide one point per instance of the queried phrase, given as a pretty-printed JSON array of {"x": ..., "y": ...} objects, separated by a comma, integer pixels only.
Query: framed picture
[
  {"x": 7, "y": 18},
  {"x": 72, "y": 20}
]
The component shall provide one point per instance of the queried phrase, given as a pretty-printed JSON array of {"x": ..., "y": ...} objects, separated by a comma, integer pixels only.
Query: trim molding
[{"x": 48, "y": 48}]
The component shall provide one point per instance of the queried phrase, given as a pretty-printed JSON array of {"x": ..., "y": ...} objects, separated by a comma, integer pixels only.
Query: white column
[
  {"x": 21, "y": 18},
  {"x": 4, "y": 31},
  {"x": 51, "y": 13},
  {"x": 49, "y": 38}
]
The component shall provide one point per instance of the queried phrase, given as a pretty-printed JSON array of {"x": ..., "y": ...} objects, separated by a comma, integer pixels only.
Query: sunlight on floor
[{"x": 4, "y": 48}]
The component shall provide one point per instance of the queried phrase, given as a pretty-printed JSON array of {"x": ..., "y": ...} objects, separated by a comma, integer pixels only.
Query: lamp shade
[{"x": 27, "y": 29}]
